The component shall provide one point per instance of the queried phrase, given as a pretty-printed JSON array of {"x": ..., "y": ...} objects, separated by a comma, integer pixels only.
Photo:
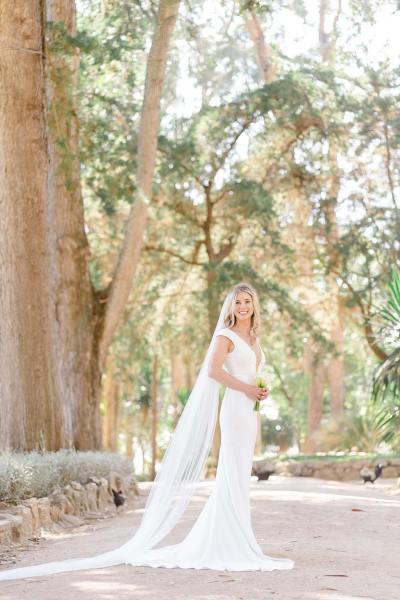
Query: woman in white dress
[{"x": 222, "y": 537}]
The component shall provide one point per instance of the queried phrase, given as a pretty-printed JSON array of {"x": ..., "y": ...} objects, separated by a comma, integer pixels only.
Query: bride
[{"x": 222, "y": 537}]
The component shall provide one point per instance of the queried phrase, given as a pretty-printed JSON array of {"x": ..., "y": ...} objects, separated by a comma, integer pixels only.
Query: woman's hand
[{"x": 255, "y": 393}]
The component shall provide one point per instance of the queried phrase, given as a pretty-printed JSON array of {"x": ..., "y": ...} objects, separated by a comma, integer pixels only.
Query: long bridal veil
[{"x": 175, "y": 482}]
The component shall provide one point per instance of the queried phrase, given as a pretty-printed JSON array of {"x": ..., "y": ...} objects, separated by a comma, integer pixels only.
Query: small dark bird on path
[
  {"x": 370, "y": 477},
  {"x": 263, "y": 474},
  {"x": 118, "y": 497}
]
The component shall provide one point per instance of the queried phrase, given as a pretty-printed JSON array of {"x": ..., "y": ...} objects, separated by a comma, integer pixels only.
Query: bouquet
[{"x": 261, "y": 383}]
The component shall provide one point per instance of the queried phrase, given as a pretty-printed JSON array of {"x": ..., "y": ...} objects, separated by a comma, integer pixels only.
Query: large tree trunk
[
  {"x": 315, "y": 397},
  {"x": 212, "y": 299},
  {"x": 31, "y": 414},
  {"x": 212, "y": 322},
  {"x": 259, "y": 446},
  {"x": 311, "y": 298},
  {"x": 55, "y": 331},
  {"x": 112, "y": 409},
  {"x": 267, "y": 71},
  {"x": 129, "y": 436},
  {"x": 336, "y": 371},
  {"x": 128, "y": 418},
  {"x": 73, "y": 337}
]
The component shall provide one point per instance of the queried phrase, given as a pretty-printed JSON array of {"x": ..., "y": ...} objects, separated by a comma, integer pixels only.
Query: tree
[
  {"x": 31, "y": 406},
  {"x": 75, "y": 308},
  {"x": 71, "y": 357}
]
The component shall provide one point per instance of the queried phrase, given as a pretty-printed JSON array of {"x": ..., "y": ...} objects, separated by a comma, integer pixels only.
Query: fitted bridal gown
[{"x": 222, "y": 537}]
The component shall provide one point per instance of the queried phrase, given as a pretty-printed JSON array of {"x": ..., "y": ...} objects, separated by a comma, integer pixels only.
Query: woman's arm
[{"x": 215, "y": 371}]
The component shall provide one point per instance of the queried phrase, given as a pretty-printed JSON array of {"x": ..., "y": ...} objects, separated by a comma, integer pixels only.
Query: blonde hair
[{"x": 230, "y": 318}]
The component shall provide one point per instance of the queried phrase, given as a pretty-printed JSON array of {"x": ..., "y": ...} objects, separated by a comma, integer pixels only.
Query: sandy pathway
[{"x": 340, "y": 553}]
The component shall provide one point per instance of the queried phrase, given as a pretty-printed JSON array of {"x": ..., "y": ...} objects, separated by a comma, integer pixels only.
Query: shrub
[{"x": 35, "y": 474}]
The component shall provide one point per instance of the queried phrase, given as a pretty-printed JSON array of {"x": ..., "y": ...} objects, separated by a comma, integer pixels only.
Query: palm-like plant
[{"x": 386, "y": 382}]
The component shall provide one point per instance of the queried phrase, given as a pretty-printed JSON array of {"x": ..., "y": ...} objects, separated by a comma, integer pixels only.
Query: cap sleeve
[{"x": 226, "y": 333}]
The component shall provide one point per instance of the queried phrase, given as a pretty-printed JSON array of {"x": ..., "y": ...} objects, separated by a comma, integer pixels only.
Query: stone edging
[
  {"x": 63, "y": 508},
  {"x": 337, "y": 470}
]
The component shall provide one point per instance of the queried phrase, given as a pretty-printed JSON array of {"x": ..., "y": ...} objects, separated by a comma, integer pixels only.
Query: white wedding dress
[{"x": 222, "y": 537}]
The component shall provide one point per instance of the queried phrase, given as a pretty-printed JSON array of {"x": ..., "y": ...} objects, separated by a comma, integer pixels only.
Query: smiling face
[{"x": 243, "y": 307}]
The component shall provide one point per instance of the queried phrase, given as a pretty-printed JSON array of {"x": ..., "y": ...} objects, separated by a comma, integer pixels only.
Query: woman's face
[{"x": 244, "y": 308}]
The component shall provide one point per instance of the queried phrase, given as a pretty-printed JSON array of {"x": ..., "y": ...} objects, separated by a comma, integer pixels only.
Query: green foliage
[
  {"x": 246, "y": 169},
  {"x": 183, "y": 396},
  {"x": 386, "y": 384},
  {"x": 278, "y": 432},
  {"x": 367, "y": 431},
  {"x": 143, "y": 393},
  {"x": 110, "y": 80}
]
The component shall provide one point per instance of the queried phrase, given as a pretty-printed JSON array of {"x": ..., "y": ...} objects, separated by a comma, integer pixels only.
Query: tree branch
[
  {"x": 263, "y": 50},
  {"x": 129, "y": 255},
  {"x": 229, "y": 149},
  {"x": 184, "y": 167},
  {"x": 284, "y": 388},
  {"x": 225, "y": 249},
  {"x": 369, "y": 334},
  {"x": 188, "y": 261}
]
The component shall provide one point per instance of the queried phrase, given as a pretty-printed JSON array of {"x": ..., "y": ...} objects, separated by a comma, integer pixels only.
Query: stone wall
[
  {"x": 65, "y": 507},
  {"x": 337, "y": 470}
]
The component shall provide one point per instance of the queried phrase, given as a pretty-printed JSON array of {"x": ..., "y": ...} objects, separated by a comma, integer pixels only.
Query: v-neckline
[{"x": 250, "y": 348}]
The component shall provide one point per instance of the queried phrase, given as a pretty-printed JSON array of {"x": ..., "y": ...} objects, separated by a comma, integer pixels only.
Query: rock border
[
  {"x": 64, "y": 507},
  {"x": 336, "y": 470}
]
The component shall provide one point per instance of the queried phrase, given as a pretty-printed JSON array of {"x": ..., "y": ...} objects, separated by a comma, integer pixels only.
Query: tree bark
[
  {"x": 86, "y": 321},
  {"x": 315, "y": 398},
  {"x": 55, "y": 330},
  {"x": 129, "y": 436},
  {"x": 213, "y": 309},
  {"x": 112, "y": 408},
  {"x": 76, "y": 346},
  {"x": 335, "y": 369},
  {"x": 268, "y": 74},
  {"x": 31, "y": 411},
  {"x": 266, "y": 66},
  {"x": 212, "y": 322},
  {"x": 258, "y": 447}
]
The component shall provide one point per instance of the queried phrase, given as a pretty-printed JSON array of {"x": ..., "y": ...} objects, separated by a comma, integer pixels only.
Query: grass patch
[{"x": 34, "y": 474}]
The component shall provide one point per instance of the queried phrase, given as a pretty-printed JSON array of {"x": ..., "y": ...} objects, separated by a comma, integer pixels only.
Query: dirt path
[{"x": 344, "y": 537}]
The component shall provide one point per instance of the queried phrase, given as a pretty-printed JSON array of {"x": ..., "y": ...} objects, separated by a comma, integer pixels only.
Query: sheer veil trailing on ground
[{"x": 174, "y": 485}]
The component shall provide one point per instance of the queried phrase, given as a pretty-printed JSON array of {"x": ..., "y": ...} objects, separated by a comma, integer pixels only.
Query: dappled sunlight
[
  {"x": 297, "y": 488},
  {"x": 325, "y": 497},
  {"x": 93, "y": 585}
]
